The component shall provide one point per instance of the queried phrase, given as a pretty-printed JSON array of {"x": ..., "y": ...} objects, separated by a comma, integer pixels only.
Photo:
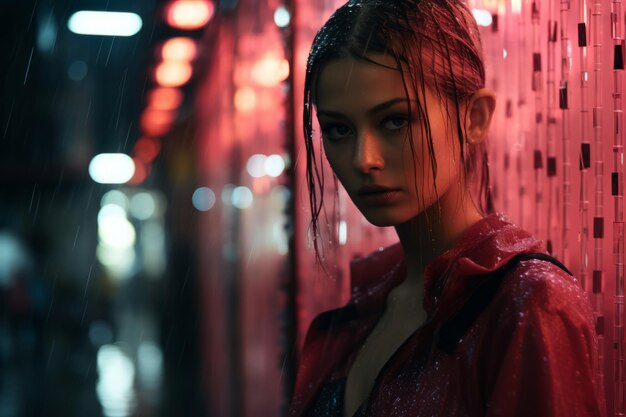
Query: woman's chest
[
  {"x": 385, "y": 341},
  {"x": 421, "y": 380},
  {"x": 417, "y": 379}
]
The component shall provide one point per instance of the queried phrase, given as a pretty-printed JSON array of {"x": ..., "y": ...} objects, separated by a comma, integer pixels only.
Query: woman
[{"x": 467, "y": 316}]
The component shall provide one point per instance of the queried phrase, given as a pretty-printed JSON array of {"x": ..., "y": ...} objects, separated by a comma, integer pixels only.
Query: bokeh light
[
  {"x": 115, "y": 197},
  {"x": 116, "y": 232},
  {"x": 256, "y": 166},
  {"x": 111, "y": 210},
  {"x": 270, "y": 71},
  {"x": 116, "y": 376},
  {"x": 77, "y": 71},
  {"x": 203, "y": 199},
  {"x": 189, "y": 14},
  {"x": 245, "y": 99},
  {"x": 142, "y": 170},
  {"x": 118, "y": 263},
  {"x": 242, "y": 198},
  {"x": 274, "y": 165},
  {"x": 179, "y": 49},
  {"x": 149, "y": 364},
  {"x": 483, "y": 17},
  {"x": 143, "y": 206},
  {"x": 173, "y": 73},
  {"x": 103, "y": 23},
  {"x": 146, "y": 149},
  {"x": 111, "y": 168},
  {"x": 156, "y": 122},
  {"x": 282, "y": 17},
  {"x": 165, "y": 98}
]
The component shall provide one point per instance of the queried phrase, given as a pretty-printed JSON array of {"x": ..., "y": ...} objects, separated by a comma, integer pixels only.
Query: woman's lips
[{"x": 378, "y": 195}]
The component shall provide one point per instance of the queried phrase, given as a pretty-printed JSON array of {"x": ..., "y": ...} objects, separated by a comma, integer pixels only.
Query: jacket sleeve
[{"x": 544, "y": 355}]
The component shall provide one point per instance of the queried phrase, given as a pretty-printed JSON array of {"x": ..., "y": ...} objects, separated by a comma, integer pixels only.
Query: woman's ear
[{"x": 478, "y": 114}]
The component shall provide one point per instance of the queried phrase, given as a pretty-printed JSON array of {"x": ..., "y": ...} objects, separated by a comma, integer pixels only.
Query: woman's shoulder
[
  {"x": 538, "y": 288},
  {"x": 540, "y": 356}
]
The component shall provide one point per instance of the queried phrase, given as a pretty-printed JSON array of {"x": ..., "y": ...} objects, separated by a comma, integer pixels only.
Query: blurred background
[{"x": 155, "y": 251}]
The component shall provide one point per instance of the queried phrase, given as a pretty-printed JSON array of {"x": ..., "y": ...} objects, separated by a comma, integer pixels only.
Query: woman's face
[{"x": 362, "y": 109}]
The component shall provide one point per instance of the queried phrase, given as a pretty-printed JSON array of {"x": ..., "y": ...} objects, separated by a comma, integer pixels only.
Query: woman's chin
[{"x": 379, "y": 220}]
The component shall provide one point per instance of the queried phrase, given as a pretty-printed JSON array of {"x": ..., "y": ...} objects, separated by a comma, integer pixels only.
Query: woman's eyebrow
[
  {"x": 374, "y": 110},
  {"x": 385, "y": 105}
]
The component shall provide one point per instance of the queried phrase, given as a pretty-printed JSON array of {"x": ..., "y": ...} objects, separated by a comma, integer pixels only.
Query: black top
[{"x": 329, "y": 401}]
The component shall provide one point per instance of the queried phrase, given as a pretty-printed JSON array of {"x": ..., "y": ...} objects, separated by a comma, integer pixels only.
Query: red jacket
[{"x": 532, "y": 352}]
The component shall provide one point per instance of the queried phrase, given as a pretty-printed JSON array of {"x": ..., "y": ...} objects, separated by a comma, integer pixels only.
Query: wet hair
[{"x": 434, "y": 43}]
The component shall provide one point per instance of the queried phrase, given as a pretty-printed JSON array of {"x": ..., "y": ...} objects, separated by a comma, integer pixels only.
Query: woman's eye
[
  {"x": 395, "y": 123},
  {"x": 334, "y": 132}
]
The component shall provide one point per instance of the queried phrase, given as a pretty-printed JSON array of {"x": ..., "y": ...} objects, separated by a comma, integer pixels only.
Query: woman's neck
[{"x": 434, "y": 231}]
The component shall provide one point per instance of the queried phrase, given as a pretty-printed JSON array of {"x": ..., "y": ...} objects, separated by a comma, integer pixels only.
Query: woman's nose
[{"x": 368, "y": 154}]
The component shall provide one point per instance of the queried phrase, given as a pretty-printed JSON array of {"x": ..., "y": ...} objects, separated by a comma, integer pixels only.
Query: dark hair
[{"x": 434, "y": 42}]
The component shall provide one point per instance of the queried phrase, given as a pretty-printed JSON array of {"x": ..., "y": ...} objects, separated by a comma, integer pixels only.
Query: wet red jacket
[{"x": 532, "y": 352}]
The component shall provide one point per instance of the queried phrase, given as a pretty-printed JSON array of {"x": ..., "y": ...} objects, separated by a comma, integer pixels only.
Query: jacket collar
[{"x": 484, "y": 247}]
